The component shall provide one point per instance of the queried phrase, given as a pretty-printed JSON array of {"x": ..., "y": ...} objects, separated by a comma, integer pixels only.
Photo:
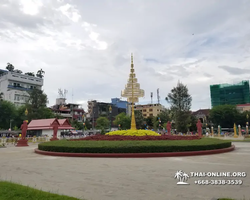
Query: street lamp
[{"x": 110, "y": 112}]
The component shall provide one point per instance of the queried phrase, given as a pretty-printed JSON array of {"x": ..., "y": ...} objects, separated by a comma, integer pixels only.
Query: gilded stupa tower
[{"x": 132, "y": 92}]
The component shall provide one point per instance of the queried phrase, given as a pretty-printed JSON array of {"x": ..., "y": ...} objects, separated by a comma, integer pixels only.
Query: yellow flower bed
[{"x": 133, "y": 133}]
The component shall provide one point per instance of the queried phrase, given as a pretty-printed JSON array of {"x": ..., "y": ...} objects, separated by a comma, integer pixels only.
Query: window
[
  {"x": 144, "y": 110},
  {"x": 145, "y": 115},
  {"x": 151, "y": 115},
  {"x": 150, "y": 110}
]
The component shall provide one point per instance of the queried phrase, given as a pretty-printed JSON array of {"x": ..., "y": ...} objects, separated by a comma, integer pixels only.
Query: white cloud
[
  {"x": 31, "y": 7},
  {"x": 71, "y": 12},
  {"x": 85, "y": 47}
]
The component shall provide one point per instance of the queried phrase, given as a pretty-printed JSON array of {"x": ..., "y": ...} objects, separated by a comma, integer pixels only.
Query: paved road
[{"x": 124, "y": 178}]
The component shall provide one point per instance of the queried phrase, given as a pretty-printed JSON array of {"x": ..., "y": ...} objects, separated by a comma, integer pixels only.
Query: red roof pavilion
[{"x": 46, "y": 124}]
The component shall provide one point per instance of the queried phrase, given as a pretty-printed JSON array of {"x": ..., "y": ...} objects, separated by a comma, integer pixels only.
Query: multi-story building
[
  {"x": 119, "y": 103},
  {"x": 15, "y": 86},
  {"x": 150, "y": 110},
  {"x": 243, "y": 107},
  {"x": 202, "y": 115},
  {"x": 222, "y": 94},
  {"x": 97, "y": 109},
  {"x": 68, "y": 111}
]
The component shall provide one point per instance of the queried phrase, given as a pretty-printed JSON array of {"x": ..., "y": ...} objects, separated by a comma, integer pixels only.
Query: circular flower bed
[
  {"x": 146, "y": 146},
  {"x": 121, "y": 137},
  {"x": 133, "y": 133}
]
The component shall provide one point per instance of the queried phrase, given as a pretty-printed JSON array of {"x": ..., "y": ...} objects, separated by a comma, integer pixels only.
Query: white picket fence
[{"x": 12, "y": 141}]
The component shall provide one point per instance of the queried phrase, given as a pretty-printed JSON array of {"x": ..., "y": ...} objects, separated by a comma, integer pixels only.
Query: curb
[{"x": 136, "y": 155}]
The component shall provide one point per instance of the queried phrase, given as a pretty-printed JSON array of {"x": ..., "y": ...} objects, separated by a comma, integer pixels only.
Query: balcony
[
  {"x": 25, "y": 78},
  {"x": 19, "y": 88}
]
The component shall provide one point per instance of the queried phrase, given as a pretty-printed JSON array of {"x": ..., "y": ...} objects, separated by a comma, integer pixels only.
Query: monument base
[
  {"x": 22, "y": 143},
  {"x": 53, "y": 139}
]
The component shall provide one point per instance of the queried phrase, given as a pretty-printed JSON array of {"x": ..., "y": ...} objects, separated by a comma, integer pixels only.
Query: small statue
[
  {"x": 24, "y": 128},
  {"x": 199, "y": 127},
  {"x": 169, "y": 127},
  {"x": 55, "y": 129}
]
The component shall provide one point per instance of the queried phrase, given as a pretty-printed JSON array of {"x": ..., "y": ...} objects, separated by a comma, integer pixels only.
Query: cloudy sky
[{"x": 85, "y": 46}]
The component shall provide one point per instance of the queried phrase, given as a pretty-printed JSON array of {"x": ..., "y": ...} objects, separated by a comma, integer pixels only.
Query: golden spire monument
[{"x": 132, "y": 92}]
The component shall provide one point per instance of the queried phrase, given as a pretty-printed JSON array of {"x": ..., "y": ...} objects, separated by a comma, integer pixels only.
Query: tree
[
  {"x": 139, "y": 119},
  {"x": 8, "y": 114},
  {"x": 1, "y": 96},
  {"x": 123, "y": 120},
  {"x": 77, "y": 125},
  {"x": 224, "y": 115},
  {"x": 180, "y": 101},
  {"x": 102, "y": 123},
  {"x": 150, "y": 121},
  {"x": 40, "y": 73},
  {"x": 36, "y": 105},
  {"x": 87, "y": 124},
  {"x": 30, "y": 73},
  {"x": 10, "y": 67},
  {"x": 162, "y": 118},
  {"x": 18, "y": 71},
  {"x": 192, "y": 123}
]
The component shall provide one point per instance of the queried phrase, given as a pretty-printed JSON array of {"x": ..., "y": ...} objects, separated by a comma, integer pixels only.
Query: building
[
  {"x": 150, "y": 110},
  {"x": 97, "y": 109},
  {"x": 68, "y": 111},
  {"x": 43, "y": 127},
  {"x": 15, "y": 86},
  {"x": 119, "y": 103},
  {"x": 243, "y": 107},
  {"x": 222, "y": 94},
  {"x": 202, "y": 114}
]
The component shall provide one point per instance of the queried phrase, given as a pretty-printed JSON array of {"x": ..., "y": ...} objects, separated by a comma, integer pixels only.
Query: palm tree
[
  {"x": 40, "y": 73},
  {"x": 10, "y": 67},
  {"x": 179, "y": 175},
  {"x": 185, "y": 177}
]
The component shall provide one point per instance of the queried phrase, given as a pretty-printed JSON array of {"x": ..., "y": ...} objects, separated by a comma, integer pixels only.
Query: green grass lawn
[
  {"x": 134, "y": 146},
  {"x": 12, "y": 191}
]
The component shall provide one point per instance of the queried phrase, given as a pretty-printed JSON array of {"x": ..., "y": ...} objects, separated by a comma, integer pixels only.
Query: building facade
[
  {"x": 68, "y": 111},
  {"x": 15, "y": 86},
  {"x": 243, "y": 107},
  {"x": 97, "y": 109},
  {"x": 202, "y": 115},
  {"x": 150, "y": 110},
  {"x": 234, "y": 94}
]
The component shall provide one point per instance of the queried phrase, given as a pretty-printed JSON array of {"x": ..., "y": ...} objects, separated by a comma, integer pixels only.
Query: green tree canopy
[
  {"x": 123, "y": 120},
  {"x": 180, "y": 101},
  {"x": 7, "y": 114},
  {"x": 224, "y": 115},
  {"x": 102, "y": 123},
  {"x": 1, "y": 96},
  {"x": 139, "y": 119},
  {"x": 10, "y": 67},
  {"x": 40, "y": 73},
  {"x": 36, "y": 105}
]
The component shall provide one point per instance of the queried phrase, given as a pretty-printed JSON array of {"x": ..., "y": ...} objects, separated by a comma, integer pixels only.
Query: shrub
[
  {"x": 85, "y": 146},
  {"x": 133, "y": 133},
  {"x": 121, "y": 137}
]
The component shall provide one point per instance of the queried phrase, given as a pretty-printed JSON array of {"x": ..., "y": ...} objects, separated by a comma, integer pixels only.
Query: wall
[{"x": 49, "y": 133}]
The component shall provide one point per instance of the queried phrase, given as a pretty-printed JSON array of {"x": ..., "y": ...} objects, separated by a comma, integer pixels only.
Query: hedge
[
  {"x": 121, "y": 137},
  {"x": 143, "y": 146}
]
